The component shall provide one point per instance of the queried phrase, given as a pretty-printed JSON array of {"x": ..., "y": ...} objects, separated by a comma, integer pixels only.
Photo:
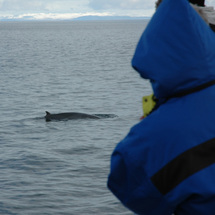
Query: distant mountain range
[
  {"x": 109, "y": 18},
  {"x": 81, "y": 18}
]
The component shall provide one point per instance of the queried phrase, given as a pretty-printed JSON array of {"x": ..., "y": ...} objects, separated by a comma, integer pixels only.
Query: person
[
  {"x": 166, "y": 163},
  {"x": 208, "y": 15}
]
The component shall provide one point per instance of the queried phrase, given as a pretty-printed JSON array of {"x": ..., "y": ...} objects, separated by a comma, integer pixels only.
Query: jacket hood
[{"x": 176, "y": 50}]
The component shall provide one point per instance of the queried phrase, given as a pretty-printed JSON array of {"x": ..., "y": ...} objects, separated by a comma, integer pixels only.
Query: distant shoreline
[
  {"x": 109, "y": 18},
  {"x": 81, "y": 18}
]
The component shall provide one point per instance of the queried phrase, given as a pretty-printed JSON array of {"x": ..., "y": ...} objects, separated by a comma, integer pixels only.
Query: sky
[{"x": 67, "y": 9}]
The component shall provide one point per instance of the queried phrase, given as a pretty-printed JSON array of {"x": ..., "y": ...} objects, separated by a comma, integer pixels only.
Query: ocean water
[{"x": 61, "y": 167}]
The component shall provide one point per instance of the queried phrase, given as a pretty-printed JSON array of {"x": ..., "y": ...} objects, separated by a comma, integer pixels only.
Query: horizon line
[{"x": 72, "y": 17}]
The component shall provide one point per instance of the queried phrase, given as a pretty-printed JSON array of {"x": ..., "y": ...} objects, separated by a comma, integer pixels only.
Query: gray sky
[{"x": 73, "y": 8}]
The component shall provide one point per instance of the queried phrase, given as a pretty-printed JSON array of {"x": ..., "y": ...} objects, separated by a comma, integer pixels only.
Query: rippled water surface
[{"x": 61, "y": 167}]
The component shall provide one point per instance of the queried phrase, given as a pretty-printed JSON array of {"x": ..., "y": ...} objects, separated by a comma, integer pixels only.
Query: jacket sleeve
[{"x": 130, "y": 184}]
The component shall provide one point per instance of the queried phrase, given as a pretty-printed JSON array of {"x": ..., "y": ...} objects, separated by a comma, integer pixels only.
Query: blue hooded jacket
[{"x": 166, "y": 164}]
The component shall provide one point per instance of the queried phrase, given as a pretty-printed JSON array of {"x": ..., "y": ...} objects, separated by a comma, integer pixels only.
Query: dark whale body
[{"x": 68, "y": 116}]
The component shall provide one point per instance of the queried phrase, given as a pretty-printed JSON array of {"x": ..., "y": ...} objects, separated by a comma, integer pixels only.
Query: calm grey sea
[{"x": 84, "y": 66}]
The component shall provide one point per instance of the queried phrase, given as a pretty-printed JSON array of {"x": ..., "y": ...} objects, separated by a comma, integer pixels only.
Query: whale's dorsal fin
[{"x": 47, "y": 113}]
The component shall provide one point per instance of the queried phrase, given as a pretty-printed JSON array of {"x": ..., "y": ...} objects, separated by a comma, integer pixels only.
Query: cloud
[
  {"x": 79, "y": 5},
  {"x": 121, "y": 4},
  {"x": 50, "y": 16},
  {"x": 210, "y": 3},
  {"x": 53, "y": 8},
  {"x": 16, "y": 5},
  {"x": 63, "y": 6},
  {"x": 73, "y": 5}
]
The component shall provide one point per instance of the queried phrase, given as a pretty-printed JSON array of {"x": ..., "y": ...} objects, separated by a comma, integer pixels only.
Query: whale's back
[{"x": 69, "y": 115}]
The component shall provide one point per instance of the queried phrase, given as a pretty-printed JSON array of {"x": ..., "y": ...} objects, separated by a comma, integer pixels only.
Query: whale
[{"x": 69, "y": 116}]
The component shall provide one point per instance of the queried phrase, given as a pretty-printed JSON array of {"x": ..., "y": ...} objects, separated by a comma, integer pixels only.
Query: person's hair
[
  {"x": 157, "y": 3},
  {"x": 196, "y": 2},
  {"x": 200, "y": 3}
]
